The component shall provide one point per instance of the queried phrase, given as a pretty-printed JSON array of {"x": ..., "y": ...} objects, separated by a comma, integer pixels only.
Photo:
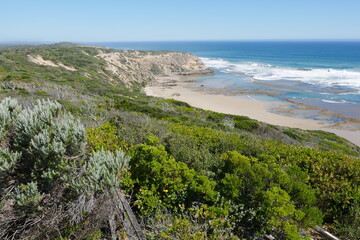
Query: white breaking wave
[
  {"x": 266, "y": 72},
  {"x": 332, "y": 101}
]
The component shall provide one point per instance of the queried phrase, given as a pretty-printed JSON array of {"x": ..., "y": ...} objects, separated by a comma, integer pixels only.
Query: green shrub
[
  {"x": 281, "y": 213},
  {"x": 295, "y": 134},
  {"x": 9, "y": 109},
  {"x": 28, "y": 196},
  {"x": 7, "y": 160},
  {"x": 186, "y": 149},
  {"x": 42, "y": 142},
  {"x": 42, "y": 93},
  {"x": 248, "y": 125},
  {"x": 280, "y": 200},
  {"x": 160, "y": 181},
  {"x": 142, "y": 107},
  {"x": 100, "y": 172},
  {"x": 46, "y": 137},
  {"x": 347, "y": 226},
  {"x": 198, "y": 222},
  {"x": 103, "y": 137},
  {"x": 174, "y": 103},
  {"x": 216, "y": 117}
]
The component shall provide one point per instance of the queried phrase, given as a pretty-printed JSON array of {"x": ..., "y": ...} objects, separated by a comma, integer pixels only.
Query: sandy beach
[{"x": 180, "y": 88}]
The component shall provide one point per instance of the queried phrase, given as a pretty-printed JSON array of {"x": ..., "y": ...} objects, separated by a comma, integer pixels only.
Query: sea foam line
[
  {"x": 252, "y": 98},
  {"x": 267, "y": 72}
]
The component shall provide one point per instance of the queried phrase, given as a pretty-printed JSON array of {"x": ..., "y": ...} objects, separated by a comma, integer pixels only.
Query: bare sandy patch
[{"x": 39, "y": 60}]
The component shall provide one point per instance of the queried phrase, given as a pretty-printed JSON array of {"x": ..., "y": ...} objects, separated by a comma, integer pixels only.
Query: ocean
[{"x": 320, "y": 75}]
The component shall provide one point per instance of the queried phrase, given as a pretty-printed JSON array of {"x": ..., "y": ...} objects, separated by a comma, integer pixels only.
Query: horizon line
[
  {"x": 230, "y": 40},
  {"x": 203, "y": 40}
]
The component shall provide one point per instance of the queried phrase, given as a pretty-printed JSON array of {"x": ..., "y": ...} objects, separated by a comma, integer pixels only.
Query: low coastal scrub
[
  {"x": 75, "y": 154},
  {"x": 247, "y": 191}
]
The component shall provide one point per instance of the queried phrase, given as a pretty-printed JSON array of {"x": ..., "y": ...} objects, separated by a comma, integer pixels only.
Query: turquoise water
[{"x": 321, "y": 74}]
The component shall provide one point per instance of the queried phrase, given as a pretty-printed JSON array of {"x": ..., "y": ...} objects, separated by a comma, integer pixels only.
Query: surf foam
[{"x": 266, "y": 72}]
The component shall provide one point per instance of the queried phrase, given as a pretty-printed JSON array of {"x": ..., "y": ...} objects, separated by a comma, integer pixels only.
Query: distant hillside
[
  {"x": 117, "y": 67},
  {"x": 85, "y": 154}
]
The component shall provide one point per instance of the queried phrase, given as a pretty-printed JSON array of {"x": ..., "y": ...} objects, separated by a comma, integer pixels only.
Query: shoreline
[{"x": 180, "y": 88}]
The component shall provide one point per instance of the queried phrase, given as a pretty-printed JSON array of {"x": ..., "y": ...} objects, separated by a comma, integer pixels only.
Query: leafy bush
[
  {"x": 160, "y": 181},
  {"x": 100, "y": 172},
  {"x": 9, "y": 109},
  {"x": 280, "y": 200},
  {"x": 187, "y": 150},
  {"x": 27, "y": 196},
  {"x": 245, "y": 123},
  {"x": 142, "y": 107},
  {"x": 293, "y": 133},
  {"x": 281, "y": 213},
  {"x": 103, "y": 137},
  {"x": 174, "y": 103},
  {"x": 46, "y": 138},
  {"x": 7, "y": 160},
  {"x": 42, "y": 142},
  {"x": 348, "y": 226},
  {"x": 216, "y": 117}
]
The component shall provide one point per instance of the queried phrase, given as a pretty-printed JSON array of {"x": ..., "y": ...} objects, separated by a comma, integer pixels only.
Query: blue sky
[{"x": 152, "y": 20}]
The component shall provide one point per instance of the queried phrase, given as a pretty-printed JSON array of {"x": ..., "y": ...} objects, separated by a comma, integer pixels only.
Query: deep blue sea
[{"x": 320, "y": 74}]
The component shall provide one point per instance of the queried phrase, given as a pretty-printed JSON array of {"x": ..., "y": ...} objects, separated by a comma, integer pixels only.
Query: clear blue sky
[{"x": 151, "y": 20}]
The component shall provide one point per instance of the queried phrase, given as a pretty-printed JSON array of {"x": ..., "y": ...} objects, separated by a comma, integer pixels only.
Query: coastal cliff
[
  {"x": 127, "y": 67},
  {"x": 137, "y": 65}
]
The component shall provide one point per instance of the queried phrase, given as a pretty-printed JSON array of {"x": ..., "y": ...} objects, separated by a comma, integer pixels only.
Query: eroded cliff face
[
  {"x": 144, "y": 66},
  {"x": 118, "y": 67}
]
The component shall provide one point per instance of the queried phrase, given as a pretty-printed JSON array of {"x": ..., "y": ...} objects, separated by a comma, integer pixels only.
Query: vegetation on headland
[{"x": 71, "y": 139}]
